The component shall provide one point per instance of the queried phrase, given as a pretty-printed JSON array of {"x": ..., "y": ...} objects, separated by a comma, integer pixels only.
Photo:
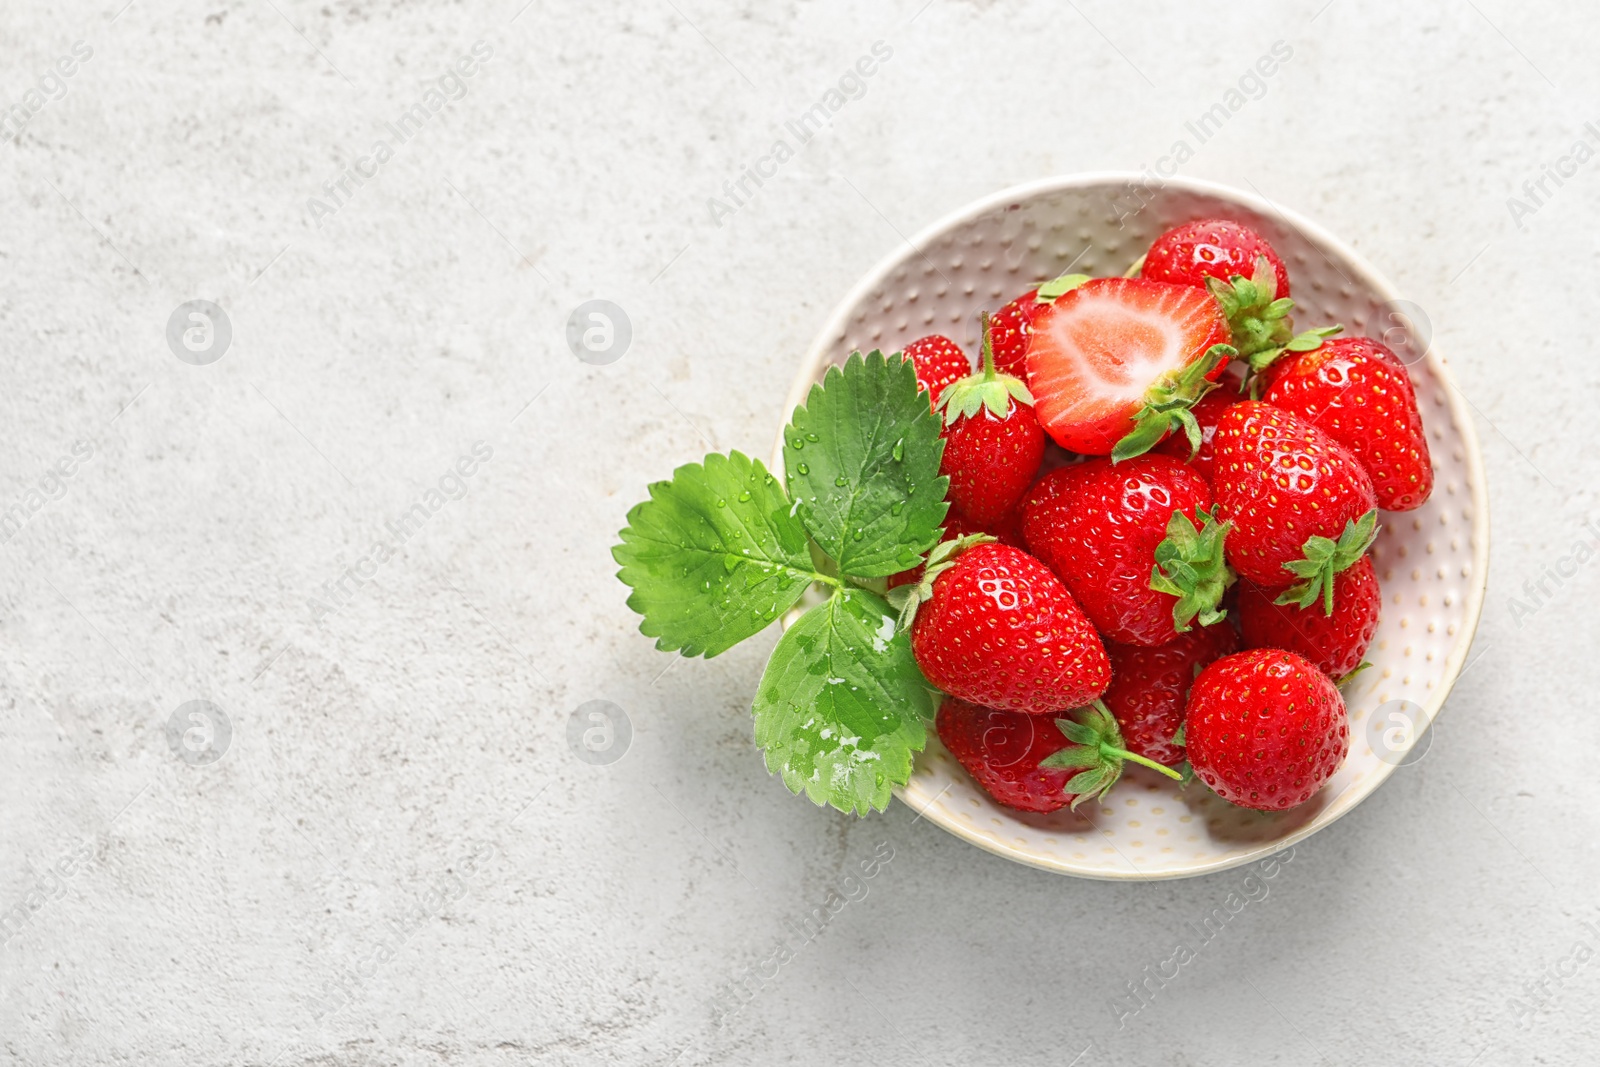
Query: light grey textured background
[{"x": 398, "y": 812}]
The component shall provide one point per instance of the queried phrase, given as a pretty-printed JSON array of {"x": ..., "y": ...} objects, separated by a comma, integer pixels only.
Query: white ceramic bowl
[{"x": 1432, "y": 563}]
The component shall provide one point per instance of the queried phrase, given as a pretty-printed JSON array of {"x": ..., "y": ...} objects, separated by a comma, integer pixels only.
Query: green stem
[
  {"x": 1112, "y": 750},
  {"x": 827, "y": 579}
]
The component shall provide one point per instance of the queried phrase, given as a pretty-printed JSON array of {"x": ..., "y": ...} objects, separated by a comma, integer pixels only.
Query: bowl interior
[{"x": 1431, "y": 562}]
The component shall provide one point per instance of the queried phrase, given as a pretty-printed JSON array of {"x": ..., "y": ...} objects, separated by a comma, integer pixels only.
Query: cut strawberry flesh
[{"x": 1095, "y": 353}]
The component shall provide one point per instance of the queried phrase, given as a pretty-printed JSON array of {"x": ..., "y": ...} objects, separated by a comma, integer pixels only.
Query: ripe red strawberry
[
  {"x": 1008, "y": 331},
  {"x": 1358, "y": 392},
  {"x": 1150, "y": 687},
  {"x": 939, "y": 361},
  {"x": 1110, "y": 529},
  {"x": 1246, "y": 275},
  {"x": 1211, "y": 248},
  {"x": 1044, "y": 508},
  {"x": 991, "y": 625},
  {"x": 1282, "y": 483},
  {"x": 1206, "y": 412},
  {"x": 1334, "y": 641},
  {"x": 1116, "y": 363},
  {"x": 1032, "y": 762},
  {"x": 992, "y": 441},
  {"x": 1002, "y": 750},
  {"x": 1265, "y": 729}
]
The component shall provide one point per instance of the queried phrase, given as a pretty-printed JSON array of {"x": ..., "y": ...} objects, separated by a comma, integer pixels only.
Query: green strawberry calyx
[
  {"x": 1260, "y": 322},
  {"x": 1056, "y": 288},
  {"x": 987, "y": 389},
  {"x": 1191, "y": 566},
  {"x": 1355, "y": 672},
  {"x": 1166, "y": 405},
  {"x": 1257, "y": 315},
  {"x": 1309, "y": 341},
  {"x": 1097, "y": 753},
  {"x": 906, "y": 599},
  {"x": 1324, "y": 558}
]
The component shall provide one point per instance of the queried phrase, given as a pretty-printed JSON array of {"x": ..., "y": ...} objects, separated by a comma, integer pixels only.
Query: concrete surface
[{"x": 391, "y": 851}]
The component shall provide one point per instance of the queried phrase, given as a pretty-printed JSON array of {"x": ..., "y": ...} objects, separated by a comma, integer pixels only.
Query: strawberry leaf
[
  {"x": 862, "y": 457},
  {"x": 714, "y": 556},
  {"x": 842, "y": 707}
]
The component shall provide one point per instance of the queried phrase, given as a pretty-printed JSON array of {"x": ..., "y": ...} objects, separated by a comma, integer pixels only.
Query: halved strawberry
[
  {"x": 1011, "y": 327},
  {"x": 1116, "y": 363}
]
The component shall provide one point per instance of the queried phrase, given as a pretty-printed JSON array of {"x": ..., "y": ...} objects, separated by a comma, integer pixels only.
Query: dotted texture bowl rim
[{"x": 820, "y": 354}]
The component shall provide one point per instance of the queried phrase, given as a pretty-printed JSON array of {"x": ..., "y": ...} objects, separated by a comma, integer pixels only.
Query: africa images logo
[{"x": 439, "y": 94}]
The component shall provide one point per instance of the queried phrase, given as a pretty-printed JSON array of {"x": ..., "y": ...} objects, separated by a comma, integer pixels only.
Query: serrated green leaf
[
  {"x": 862, "y": 461},
  {"x": 714, "y": 556},
  {"x": 842, "y": 707}
]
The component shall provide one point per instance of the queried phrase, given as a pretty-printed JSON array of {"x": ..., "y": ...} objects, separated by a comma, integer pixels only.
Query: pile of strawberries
[{"x": 1181, "y": 579}]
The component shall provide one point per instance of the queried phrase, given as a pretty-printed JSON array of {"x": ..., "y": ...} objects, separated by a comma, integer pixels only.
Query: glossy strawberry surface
[
  {"x": 1358, "y": 392},
  {"x": 1280, "y": 480},
  {"x": 1150, "y": 687},
  {"x": 1265, "y": 729},
  {"x": 1002, "y": 750},
  {"x": 1211, "y": 248},
  {"x": 1000, "y": 630},
  {"x": 1333, "y": 643},
  {"x": 1043, "y": 508},
  {"x": 1102, "y": 535},
  {"x": 1009, "y": 330},
  {"x": 939, "y": 361},
  {"x": 991, "y": 461}
]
